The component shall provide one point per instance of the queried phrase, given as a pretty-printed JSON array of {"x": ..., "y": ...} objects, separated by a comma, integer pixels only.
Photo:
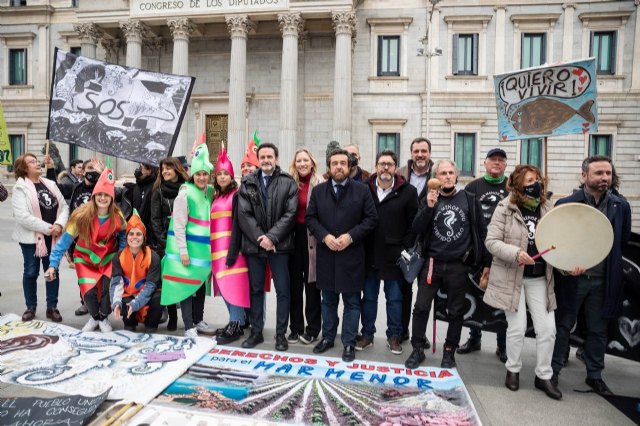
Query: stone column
[
  {"x": 89, "y": 36},
  {"x": 345, "y": 24},
  {"x": 291, "y": 25},
  {"x": 181, "y": 30},
  {"x": 635, "y": 68},
  {"x": 42, "y": 85},
  {"x": 134, "y": 32},
  {"x": 111, "y": 47},
  {"x": 567, "y": 31},
  {"x": 239, "y": 27},
  {"x": 500, "y": 39}
]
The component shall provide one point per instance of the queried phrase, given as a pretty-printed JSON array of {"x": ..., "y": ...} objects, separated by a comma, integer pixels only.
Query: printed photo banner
[
  {"x": 117, "y": 110},
  {"x": 6, "y": 158},
  {"x": 550, "y": 100},
  {"x": 71, "y": 361},
  {"x": 309, "y": 389}
]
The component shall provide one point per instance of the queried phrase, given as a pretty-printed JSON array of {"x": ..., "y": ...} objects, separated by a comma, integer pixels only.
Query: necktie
[{"x": 339, "y": 190}]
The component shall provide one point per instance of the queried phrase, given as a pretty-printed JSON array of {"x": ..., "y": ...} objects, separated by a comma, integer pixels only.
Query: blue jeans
[
  {"x": 369, "y": 306},
  {"x": 236, "y": 313},
  {"x": 590, "y": 292},
  {"x": 350, "y": 316},
  {"x": 279, "y": 263},
  {"x": 30, "y": 278}
]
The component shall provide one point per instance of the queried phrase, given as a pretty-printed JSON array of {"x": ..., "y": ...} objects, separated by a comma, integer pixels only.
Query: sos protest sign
[{"x": 550, "y": 100}]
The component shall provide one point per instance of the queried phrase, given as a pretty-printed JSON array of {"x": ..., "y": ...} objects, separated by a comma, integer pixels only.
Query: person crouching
[{"x": 135, "y": 291}]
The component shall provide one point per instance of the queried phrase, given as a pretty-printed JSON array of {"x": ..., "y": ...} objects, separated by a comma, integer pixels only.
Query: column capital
[
  {"x": 291, "y": 23},
  {"x": 154, "y": 44},
  {"x": 636, "y": 2},
  {"x": 89, "y": 33},
  {"x": 111, "y": 47},
  {"x": 133, "y": 30},
  {"x": 239, "y": 25},
  {"x": 573, "y": 5},
  {"x": 181, "y": 28},
  {"x": 344, "y": 22},
  {"x": 500, "y": 7}
]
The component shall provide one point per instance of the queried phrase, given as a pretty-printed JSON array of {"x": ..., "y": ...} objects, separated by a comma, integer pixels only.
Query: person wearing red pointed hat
[
  {"x": 100, "y": 231},
  {"x": 230, "y": 276},
  {"x": 135, "y": 282},
  {"x": 249, "y": 162}
]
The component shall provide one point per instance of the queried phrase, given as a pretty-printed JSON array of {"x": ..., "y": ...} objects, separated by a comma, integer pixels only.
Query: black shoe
[
  {"x": 448, "y": 357},
  {"x": 469, "y": 346},
  {"x": 500, "y": 353},
  {"x": 281, "y": 343},
  {"x": 416, "y": 357},
  {"x": 307, "y": 338},
  {"x": 293, "y": 337},
  {"x": 253, "y": 340},
  {"x": 554, "y": 379},
  {"x": 599, "y": 386},
  {"x": 512, "y": 381},
  {"x": 323, "y": 346},
  {"x": 548, "y": 387},
  {"x": 172, "y": 325},
  {"x": 349, "y": 353},
  {"x": 232, "y": 332}
]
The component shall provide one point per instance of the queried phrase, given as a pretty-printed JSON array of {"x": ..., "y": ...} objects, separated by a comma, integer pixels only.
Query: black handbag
[{"x": 411, "y": 262}]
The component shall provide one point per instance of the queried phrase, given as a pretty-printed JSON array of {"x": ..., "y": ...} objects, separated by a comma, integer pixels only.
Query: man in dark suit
[{"x": 340, "y": 214}]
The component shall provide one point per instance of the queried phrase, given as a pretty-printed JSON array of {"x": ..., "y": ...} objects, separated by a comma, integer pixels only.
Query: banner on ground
[
  {"x": 71, "y": 361},
  {"x": 6, "y": 158},
  {"x": 63, "y": 410},
  {"x": 117, "y": 110},
  {"x": 309, "y": 389},
  {"x": 549, "y": 100}
]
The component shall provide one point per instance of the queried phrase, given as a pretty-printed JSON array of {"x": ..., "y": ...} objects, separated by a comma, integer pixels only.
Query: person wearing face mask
[
  {"x": 137, "y": 196},
  {"x": 517, "y": 281},
  {"x": 452, "y": 229}
]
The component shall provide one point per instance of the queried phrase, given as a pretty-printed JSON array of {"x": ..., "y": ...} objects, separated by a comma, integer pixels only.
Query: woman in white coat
[{"x": 41, "y": 214}]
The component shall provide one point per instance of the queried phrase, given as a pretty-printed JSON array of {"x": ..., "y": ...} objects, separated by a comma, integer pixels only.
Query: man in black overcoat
[{"x": 340, "y": 214}]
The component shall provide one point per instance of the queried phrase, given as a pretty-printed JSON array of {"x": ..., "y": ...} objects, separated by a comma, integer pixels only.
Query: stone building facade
[{"x": 373, "y": 72}]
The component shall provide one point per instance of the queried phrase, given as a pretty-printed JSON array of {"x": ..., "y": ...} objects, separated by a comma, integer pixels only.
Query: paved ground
[{"x": 481, "y": 371}]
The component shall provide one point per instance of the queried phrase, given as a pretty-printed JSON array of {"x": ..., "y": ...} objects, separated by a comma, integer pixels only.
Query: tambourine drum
[{"x": 582, "y": 235}]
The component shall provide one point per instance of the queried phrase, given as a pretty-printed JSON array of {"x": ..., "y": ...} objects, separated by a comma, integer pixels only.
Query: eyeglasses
[
  {"x": 32, "y": 161},
  {"x": 386, "y": 165}
]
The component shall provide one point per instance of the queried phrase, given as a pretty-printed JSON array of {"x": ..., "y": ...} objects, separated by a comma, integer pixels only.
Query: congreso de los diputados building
[{"x": 376, "y": 73}]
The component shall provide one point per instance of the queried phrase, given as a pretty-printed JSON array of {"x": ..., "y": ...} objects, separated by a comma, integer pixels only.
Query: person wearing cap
[
  {"x": 230, "y": 274},
  {"x": 186, "y": 266},
  {"x": 249, "y": 163},
  {"x": 100, "y": 230},
  {"x": 135, "y": 291},
  {"x": 489, "y": 189},
  {"x": 165, "y": 190}
]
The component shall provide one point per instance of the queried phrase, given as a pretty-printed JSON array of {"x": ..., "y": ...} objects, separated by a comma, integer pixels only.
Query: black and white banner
[{"x": 117, "y": 110}]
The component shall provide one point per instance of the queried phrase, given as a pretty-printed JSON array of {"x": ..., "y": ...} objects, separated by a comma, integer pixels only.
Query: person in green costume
[{"x": 186, "y": 266}]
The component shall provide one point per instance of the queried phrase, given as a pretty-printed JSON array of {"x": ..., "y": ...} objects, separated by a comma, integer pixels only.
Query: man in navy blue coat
[
  {"x": 599, "y": 288},
  {"x": 340, "y": 214}
]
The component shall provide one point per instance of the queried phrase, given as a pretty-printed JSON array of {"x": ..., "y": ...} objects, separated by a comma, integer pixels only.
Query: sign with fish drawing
[
  {"x": 121, "y": 111},
  {"x": 550, "y": 100}
]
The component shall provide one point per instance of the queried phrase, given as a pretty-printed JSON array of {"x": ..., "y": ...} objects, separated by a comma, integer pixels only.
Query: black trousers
[
  {"x": 407, "y": 304},
  {"x": 190, "y": 306},
  {"x": 99, "y": 308},
  {"x": 452, "y": 278},
  {"x": 298, "y": 273},
  {"x": 153, "y": 316}
]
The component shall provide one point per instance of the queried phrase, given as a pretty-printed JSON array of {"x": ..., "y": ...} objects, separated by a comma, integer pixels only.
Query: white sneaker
[
  {"x": 105, "y": 326},
  {"x": 191, "y": 333},
  {"x": 202, "y": 326},
  {"x": 91, "y": 325}
]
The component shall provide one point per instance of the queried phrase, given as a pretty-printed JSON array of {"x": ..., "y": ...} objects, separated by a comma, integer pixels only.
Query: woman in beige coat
[{"x": 517, "y": 281}]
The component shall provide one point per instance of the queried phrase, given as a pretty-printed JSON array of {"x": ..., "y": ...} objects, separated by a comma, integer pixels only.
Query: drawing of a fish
[{"x": 544, "y": 115}]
